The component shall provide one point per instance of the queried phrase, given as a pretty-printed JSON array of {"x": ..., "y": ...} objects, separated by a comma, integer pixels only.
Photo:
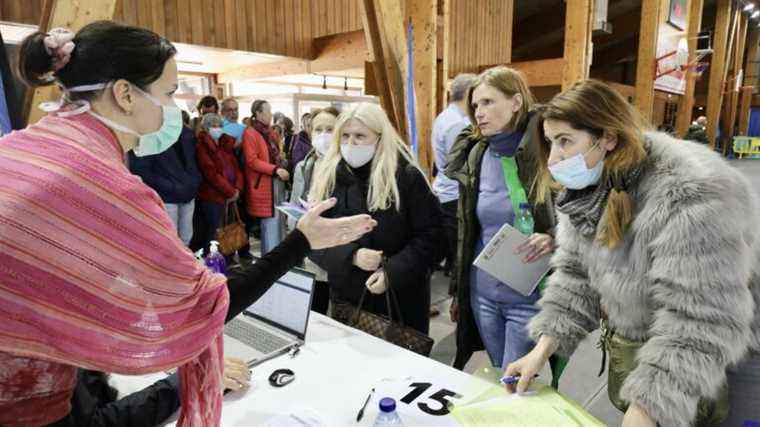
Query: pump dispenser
[{"x": 215, "y": 260}]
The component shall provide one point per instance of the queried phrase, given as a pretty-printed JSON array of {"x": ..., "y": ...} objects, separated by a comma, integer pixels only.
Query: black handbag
[{"x": 380, "y": 326}]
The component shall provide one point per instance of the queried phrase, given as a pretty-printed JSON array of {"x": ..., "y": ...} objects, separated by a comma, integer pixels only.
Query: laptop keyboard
[{"x": 254, "y": 337}]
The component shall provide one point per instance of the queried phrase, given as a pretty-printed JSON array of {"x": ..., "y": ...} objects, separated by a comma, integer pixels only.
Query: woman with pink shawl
[{"x": 93, "y": 273}]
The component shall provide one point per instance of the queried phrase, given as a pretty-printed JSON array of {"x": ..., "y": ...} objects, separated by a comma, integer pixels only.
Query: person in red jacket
[
  {"x": 223, "y": 180},
  {"x": 265, "y": 174}
]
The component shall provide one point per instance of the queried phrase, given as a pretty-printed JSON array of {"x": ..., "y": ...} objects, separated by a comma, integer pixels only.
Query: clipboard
[{"x": 498, "y": 259}]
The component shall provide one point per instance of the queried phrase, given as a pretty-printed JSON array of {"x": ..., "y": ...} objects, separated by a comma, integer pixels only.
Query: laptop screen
[{"x": 287, "y": 303}]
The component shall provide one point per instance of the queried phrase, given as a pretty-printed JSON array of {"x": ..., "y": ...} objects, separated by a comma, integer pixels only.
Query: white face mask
[
  {"x": 215, "y": 133},
  {"x": 573, "y": 173},
  {"x": 357, "y": 155},
  {"x": 322, "y": 142}
]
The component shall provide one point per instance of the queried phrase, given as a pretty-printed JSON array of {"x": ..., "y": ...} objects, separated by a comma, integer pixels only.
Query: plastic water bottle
[
  {"x": 215, "y": 260},
  {"x": 388, "y": 415},
  {"x": 524, "y": 220}
]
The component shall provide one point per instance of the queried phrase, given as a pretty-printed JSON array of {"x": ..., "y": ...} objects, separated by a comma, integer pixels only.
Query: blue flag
[{"x": 411, "y": 118}]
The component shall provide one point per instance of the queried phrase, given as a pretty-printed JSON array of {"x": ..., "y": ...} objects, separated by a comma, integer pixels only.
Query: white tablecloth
[{"x": 335, "y": 370}]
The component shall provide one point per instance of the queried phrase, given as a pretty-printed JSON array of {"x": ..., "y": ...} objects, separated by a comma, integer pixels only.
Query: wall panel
[
  {"x": 284, "y": 27},
  {"x": 480, "y": 34}
]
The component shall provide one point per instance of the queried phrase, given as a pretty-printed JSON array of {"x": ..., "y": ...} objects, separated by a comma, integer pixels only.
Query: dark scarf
[
  {"x": 266, "y": 131},
  {"x": 505, "y": 144},
  {"x": 585, "y": 207}
]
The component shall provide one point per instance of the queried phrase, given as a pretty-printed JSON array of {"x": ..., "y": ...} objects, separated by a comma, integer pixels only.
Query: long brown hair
[
  {"x": 595, "y": 107},
  {"x": 510, "y": 82}
]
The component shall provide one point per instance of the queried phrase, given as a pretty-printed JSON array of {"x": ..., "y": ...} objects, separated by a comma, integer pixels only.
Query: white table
[{"x": 335, "y": 370}]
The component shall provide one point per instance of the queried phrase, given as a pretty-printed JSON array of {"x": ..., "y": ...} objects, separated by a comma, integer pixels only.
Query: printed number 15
[{"x": 439, "y": 396}]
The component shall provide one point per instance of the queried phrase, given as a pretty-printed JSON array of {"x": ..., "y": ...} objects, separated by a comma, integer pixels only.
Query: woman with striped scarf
[{"x": 93, "y": 273}]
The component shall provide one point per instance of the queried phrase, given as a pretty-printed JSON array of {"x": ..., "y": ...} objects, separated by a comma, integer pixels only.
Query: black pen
[{"x": 361, "y": 411}]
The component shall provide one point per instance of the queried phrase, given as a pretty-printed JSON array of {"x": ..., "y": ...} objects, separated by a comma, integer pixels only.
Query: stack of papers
[{"x": 543, "y": 408}]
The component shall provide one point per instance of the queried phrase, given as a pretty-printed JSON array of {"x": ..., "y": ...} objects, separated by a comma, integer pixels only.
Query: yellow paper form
[{"x": 545, "y": 408}]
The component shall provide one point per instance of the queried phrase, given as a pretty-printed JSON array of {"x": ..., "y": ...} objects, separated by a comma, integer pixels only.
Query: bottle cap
[
  {"x": 387, "y": 404},
  {"x": 214, "y": 247}
]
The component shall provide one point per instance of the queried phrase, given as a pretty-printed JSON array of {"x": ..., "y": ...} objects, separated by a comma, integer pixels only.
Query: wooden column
[
  {"x": 71, "y": 14},
  {"x": 686, "y": 104},
  {"x": 717, "y": 69},
  {"x": 446, "y": 53},
  {"x": 645, "y": 68},
  {"x": 753, "y": 57},
  {"x": 745, "y": 102},
  {"x": 423, "y": 16},
  {"x": 738, "y": 61},
  {"x": 578, "y": 47}
]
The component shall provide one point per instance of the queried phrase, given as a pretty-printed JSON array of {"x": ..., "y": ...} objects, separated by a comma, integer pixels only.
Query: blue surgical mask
[
  {"x": 152, "y": 143},
  {"x": 573, "y": 173},
  {"x": 216, "y": 133}
]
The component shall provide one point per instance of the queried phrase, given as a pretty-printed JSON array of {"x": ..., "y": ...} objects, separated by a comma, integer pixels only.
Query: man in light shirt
[
  {"x": 446, "y": 128},
  {"x": 230, "y": 125}
]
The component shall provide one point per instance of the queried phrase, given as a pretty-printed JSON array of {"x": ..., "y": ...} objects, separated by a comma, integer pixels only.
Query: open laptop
[{"x": 275, "y": 323}]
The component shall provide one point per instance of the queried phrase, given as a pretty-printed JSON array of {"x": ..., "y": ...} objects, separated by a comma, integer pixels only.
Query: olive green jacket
[{"x": 464, "y": 162}]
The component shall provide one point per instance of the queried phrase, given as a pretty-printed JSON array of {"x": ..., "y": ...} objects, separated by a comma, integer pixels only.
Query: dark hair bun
[
  {"x": 104, "y": 51},
  {"x": 34, "y": 62}
]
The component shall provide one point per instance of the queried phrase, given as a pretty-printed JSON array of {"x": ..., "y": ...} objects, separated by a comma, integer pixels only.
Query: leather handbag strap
[
  {"x": 231, "y": 213},
  {"x": 390, "y": 294}
]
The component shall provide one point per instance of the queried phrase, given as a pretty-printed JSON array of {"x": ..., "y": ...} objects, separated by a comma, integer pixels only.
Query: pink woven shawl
[{"x": 93, "y": 275}]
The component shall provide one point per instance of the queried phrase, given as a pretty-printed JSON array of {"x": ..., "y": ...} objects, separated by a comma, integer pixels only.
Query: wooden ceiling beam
[
  {"x": 335, "y": 53},
  {"x": 543, "y": 72}
]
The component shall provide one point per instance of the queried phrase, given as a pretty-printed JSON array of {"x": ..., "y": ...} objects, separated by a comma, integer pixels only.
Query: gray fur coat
[{"x": 686, "y": 280}]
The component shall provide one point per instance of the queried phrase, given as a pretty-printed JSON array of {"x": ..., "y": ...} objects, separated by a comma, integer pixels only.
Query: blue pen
[{"x": 513, "y": 379}]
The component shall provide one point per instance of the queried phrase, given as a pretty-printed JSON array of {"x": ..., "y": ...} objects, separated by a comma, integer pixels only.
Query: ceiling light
[
  {"x": 755, "y": 14},
  {"x": 749, "y": 7}
]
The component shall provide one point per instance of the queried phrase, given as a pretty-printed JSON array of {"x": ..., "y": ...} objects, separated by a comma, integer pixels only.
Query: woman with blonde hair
[
  {"x": 94, "y": 274},
  {"x": 370, "y": 169},
  {"x": 657, "y": 238},
  {"x": 323, "y": 120},
  {"x": 495, "y": 162}
]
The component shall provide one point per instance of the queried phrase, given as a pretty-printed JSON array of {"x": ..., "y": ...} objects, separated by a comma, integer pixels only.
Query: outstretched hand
[{"x": 326, "y": 232}]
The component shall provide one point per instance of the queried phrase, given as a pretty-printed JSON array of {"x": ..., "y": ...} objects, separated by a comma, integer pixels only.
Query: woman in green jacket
[{"x": 494, "y": 160}]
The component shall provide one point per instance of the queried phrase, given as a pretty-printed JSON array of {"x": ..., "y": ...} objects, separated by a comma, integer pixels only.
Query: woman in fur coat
[{"x": 658, "y": 237}]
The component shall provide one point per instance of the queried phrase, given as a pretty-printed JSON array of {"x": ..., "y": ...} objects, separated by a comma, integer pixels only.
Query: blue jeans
[
  {"x": 502, "y": 325},
  {"x": 182, "y": 217}
]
